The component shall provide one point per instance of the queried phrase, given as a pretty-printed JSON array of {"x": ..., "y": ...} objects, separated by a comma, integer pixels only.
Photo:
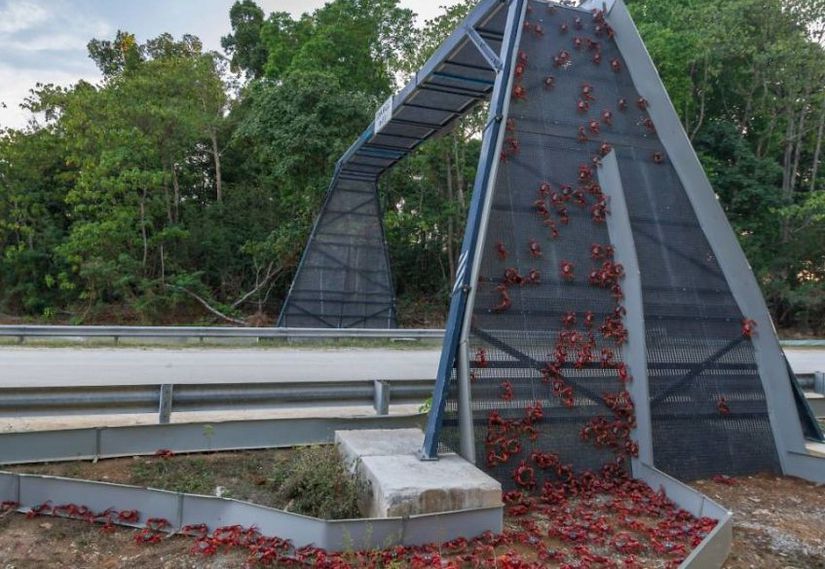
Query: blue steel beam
[{"x": 491, "y": 148}]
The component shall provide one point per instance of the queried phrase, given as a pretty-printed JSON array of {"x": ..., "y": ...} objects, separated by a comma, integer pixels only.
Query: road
[{"x": 33, "y": 367}]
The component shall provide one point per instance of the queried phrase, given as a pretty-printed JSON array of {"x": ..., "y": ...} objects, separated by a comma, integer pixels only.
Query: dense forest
[{"x": 183, "y": 186}]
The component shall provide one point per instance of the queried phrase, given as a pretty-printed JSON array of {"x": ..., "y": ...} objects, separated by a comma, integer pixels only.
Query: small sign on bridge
[{"x": 383, "y": 116}]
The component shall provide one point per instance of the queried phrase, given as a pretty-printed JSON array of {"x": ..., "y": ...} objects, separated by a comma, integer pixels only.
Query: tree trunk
[
  {"x": 216, "y": 155},
  {"x": 162, "y": 265},
  {"x": 168, "y": 202},
  {"x": 176, "y": 186},
  {"x": 818, "y": 151},
  {"x": 450, "y": 221},
  {"x": 787, "y": 168},
  {"x": 459, "y": 171},
  {"x": 787, "y": 160},
  {"x": 143, "y": 230},
  {"x": 800, "y": 135}
]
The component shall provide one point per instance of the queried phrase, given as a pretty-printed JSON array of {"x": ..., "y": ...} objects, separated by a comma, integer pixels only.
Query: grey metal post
[
  {"x": 465, "y": 411},
  {"x": 165, "y": 406},
  {"x": 382, "y": 397},
  {"x": 634, "y": 353},
  {"x": 819, "y": 382}
]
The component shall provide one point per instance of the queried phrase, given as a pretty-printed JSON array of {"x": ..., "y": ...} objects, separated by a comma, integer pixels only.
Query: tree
[
  {"x": 360, "y": 42},
  {"x": 244, "y": 44}
]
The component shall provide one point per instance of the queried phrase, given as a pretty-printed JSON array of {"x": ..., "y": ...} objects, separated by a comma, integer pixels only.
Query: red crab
[
  {"x": 541, "y": 208},
  {"x": 748, "y": 328},
  {"x": 554, "y": 230},
  {"x": 512, "y": 277},
  {"x": 616, "y": 65},
  {"x": 535, "y": 248},
  {"x": 506, "y": 391},
  {"x": 505, "y": 302},
  {"x": 501, "y": 251},
  {"x": 545, "y": 189},
  {"x": 549, "y": 82},
  {"x": 562, "y": 59},
  {"x": 524, "y": 476},
  {"x": 599, "y": 212},
  {"x": 481, "y": 358},
  {"x": 568, "y": 270}
]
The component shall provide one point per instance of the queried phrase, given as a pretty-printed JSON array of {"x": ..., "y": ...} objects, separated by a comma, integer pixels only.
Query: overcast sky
[{"x": 45, "y": 40}]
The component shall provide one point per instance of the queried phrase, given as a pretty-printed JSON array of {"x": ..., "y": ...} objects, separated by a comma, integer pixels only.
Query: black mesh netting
[
  {"x": 344, "y": 279},
  {"x": 708, "y": 407}
]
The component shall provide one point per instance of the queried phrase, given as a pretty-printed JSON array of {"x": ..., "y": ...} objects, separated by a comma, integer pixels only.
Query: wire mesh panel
[
  {"x": 548, "y": 382},
  {"x": 547, "y": 321},
  {"x": 344, "y": 279}
]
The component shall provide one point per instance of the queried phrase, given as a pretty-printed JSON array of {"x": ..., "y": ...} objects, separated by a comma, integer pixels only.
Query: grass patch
[{"x": 311, "y": 481}]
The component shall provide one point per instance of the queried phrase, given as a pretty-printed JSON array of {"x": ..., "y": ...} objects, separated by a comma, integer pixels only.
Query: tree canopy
[{"x": 182, "y": 187}]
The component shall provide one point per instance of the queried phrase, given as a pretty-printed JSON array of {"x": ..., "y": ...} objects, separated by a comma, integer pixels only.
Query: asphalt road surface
[{"x": 30, "y": 367}]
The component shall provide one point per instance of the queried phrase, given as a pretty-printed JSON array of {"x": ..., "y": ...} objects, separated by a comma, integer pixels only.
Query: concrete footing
[{"x": 396, "y": 483}]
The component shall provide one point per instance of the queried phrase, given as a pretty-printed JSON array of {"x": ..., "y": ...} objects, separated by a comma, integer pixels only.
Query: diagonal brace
[{"x": 484, "y": 48}]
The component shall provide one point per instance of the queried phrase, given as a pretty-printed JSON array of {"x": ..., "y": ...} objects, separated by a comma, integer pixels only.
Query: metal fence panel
[{"x": 344, "y": 278}]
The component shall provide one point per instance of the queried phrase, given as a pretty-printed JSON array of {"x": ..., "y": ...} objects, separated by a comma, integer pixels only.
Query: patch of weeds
[
  {"x": 191, "y": 475},
  {"x": 315, "y": 483}
]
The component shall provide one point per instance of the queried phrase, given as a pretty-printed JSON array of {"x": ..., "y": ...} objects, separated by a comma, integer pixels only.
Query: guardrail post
[
  {"x": 382, "y": 397},
  {"x": 819, "y": 382},
  {"x": 165, "y": 407}
]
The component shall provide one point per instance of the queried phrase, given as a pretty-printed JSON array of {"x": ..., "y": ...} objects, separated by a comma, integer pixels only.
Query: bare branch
[{"x": 206, "y": 305}]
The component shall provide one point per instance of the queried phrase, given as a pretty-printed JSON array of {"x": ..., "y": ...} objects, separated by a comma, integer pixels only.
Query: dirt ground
[{"x": 779, "y": 524}]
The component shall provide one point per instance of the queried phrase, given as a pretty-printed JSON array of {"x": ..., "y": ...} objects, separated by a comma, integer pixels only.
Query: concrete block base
[{"x": 396, "y": 483}]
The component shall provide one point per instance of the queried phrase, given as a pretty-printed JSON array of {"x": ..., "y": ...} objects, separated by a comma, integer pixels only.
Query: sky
[{"x": 44, "y": 41}]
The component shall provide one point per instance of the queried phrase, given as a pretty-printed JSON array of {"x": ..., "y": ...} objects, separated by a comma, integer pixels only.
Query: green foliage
[
  {"x": 244, "y": 44},
  {"x": 360, "y": 42}
]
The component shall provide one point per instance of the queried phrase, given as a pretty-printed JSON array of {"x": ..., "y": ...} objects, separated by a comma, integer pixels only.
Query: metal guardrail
[
  {"x": 21, "y": 332},
  {"x": 167, "y": 399},
  {"x": 202, "y": 332}
]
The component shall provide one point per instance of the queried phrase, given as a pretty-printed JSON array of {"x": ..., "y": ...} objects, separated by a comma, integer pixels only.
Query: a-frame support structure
[
  {"x": 681, "y": 352},
  {"x": 344, "y": 278}
]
